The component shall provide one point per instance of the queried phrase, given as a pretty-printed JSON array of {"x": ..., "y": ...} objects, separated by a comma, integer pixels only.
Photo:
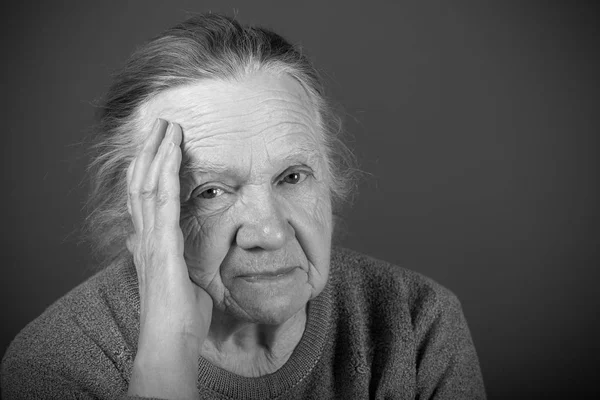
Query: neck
[{"x": 251, "y": 349}]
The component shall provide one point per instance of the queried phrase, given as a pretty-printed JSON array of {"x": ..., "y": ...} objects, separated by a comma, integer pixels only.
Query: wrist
[
  {"x": 165, "y": 368},
  {"x": 165, "y": 339}
]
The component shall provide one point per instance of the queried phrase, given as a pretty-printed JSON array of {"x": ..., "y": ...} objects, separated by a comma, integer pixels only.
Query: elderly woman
[{"x": 218, "y": 175}]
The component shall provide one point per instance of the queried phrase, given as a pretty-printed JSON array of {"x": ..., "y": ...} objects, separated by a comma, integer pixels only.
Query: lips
[{"x": 269, "y": 275}]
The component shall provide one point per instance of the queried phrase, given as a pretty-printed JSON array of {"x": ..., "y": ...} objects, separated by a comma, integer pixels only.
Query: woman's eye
[
  {"x": 294, "y": 178},
  {"x": 211, "y": 193}
]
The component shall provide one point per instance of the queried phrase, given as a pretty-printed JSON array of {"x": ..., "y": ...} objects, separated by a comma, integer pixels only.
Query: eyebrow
[{"x": 191, "y": 166}]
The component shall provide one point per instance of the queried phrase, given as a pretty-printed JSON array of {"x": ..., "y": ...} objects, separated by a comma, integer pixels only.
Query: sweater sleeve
[
  {"x": 25, "y": 381},
  {"x": 447, "y": 363}
]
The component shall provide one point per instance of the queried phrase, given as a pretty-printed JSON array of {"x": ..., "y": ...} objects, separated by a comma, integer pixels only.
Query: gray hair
[{"x": 208, "y": 46}]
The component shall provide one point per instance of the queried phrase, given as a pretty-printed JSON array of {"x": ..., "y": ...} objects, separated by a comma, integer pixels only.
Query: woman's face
[{"x": 255, "y": 204}]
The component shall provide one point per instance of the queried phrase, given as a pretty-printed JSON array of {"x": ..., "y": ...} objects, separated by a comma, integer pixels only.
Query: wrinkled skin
[{"x": 254, "y": 198}]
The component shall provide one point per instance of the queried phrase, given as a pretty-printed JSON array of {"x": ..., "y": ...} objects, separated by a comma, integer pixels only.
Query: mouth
[{"x": 269, "y": 275}]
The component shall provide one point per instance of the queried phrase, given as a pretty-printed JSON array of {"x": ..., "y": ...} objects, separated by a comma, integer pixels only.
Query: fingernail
[{"x": 169, "y": 130}]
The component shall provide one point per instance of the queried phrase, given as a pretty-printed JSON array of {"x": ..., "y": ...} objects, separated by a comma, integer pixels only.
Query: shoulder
[
  {"x": 72, "y": 340},
  {"x": 407, "y": 327},
  {"x": 365, "y": 278}
]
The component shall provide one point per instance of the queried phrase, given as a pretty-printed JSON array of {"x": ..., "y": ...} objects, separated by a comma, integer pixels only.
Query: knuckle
[
  {"x": 148, "y": 192},
  {"x": 164, "y": 197},
  {"x": 133, "y": 191}
]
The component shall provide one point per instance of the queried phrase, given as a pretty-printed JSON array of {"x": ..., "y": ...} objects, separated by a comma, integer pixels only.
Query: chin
[{"x": 260, "y": 308}]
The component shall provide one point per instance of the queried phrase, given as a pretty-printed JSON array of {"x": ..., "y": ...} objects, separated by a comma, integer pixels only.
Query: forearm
[{"x": 165, "y": 368}]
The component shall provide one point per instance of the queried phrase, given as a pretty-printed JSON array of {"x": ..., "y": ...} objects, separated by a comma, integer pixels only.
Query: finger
[
  {"x": 136, "y": 224},
  {"x": 150, "y": 202},
  {"x": 140, "y": 170},
  {"x": 130, "y": 243},
  {"x": 168, "y": 210}
]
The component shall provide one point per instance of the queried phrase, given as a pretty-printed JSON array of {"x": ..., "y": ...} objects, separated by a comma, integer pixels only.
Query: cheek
[
  {"x": 203, "y": 234},
  {"x": 314, "y": 207},
  {"x": 191, "y": 226},
  {"x": 312, "y": 219},
  {"x": 314, "y": 232}
]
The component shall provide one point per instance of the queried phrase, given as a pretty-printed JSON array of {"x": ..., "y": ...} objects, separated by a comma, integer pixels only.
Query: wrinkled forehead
[{"x": 263, "y": 107}]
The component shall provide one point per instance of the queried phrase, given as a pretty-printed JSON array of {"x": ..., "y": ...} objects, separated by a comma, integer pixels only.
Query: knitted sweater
[{"x": 376, "y": 331}]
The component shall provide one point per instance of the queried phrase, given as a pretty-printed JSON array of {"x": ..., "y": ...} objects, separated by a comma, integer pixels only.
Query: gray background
[{"x": 476, "y": 123}]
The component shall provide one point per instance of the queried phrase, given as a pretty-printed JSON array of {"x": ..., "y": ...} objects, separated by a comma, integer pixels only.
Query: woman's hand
[{"x": 175, "y": 313}]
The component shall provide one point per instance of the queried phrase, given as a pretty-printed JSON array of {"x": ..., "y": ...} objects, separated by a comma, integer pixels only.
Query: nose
[{"x": 264, "y": 223}]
